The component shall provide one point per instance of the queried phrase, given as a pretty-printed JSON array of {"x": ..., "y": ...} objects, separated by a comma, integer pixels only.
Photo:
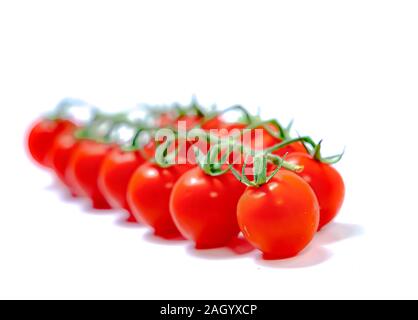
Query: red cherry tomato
[
  {"x": 149, "y": 193},
  {"x": 279, "y": 218},
  {"x": 214, "y": 123},
  {"x": 165, "y": 120},
  {"x": 84, "y": 168},
  {"x": 61, "y": 152},
  {"x": 115, "y": 173},
  {"x": 190, "y": 120},
  {"x": 204, "y": 208},
  {"x": 326, "y": 182},
  {"x": 41, "y": 138},
  {"x": 168, "y": 120}
]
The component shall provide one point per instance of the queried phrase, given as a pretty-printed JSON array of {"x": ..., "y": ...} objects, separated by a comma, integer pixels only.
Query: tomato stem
[
  {"x": 246, "y": 114},
  {"x": 327, "y": 160}
]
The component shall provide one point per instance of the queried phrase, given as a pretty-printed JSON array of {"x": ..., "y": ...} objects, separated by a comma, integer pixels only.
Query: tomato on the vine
[
  {"x": 84, "y": 168},
  {"x": 41, "y": 138},
  {"x": 115, "y": 173},
  {"x": 191, "y": 121},
  {"x": 325, "y": 181},
  {"x": 149, "y": 193},
  {"x": 204, "y": 208},
  {"x": 61, "y": 152},
  {"x": 281, "y": 217}
]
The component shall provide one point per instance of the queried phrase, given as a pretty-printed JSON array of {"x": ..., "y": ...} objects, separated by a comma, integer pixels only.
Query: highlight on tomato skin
[
  {"x": 149, "y": 192},
  {"x": 115, "y": 173},
  {"x": 203, "y": 208},
  {"x": 41, "y": 136},
  {"x": 325, "y": 181},
  {"x": 279, "y": 218},
  {"x": 84, "y": 168}
]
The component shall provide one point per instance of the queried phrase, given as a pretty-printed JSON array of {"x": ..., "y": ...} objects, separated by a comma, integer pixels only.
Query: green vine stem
[
  {"x": 207, "y": 162},
  {"x": 197, "y": 108},
  {"x": 260, "y": 171},
  {"x": 62, "y": 108},
  {"x": 216, "y": 161},
  {"x": 327, "y": 160},
  {"x": 245, "y": 113},
  {"x": 286, "y": 143},
  {"x": 282, "y": 134},
  {"x": 91, "y": 130},
  {"x": 193, "y": 108}
]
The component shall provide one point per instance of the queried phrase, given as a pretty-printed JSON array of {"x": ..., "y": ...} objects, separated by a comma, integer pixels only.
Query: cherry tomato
[
  {"x": 204, "y": 208},
  {"x": 61, "y": 152},
  {"x": 149, "y": 193},
  {"x": 115, "y": 174},
  {"x": 326, "y": 182},
  {"x": 168, "y": 120},
  {"x": 41, "y": 138},
  {"x": 190, "y": 120},
  {"x": 279, "y": 218},
  {"x": 84, "y": 168},
  {"x": 165, "y": 120},
  {"x": 214, "y": 123}
]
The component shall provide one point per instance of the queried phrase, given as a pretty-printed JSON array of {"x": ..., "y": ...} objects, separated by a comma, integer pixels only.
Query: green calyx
[
  {"x": 281, "y": 133},
  {"x": 260, "y": 169},
  {"x": 246, "y": 117},
  {"x": 215, "y": 162},
  {"x": 316, "y": 153}
]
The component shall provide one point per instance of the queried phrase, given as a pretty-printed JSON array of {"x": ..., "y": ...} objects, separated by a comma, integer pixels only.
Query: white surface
[{"x": 346, "y": 71}]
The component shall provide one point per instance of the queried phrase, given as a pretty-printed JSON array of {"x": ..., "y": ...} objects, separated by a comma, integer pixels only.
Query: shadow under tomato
[
  {"x": 125, "y": 223},
  {"x": 57, "y": 187},
  {"x": 316, "y": 253},
  {"x": 310, "y": 257},
  {"x": 88, "y": 208},
  {"x": 336, "y": 232},
  {"x": 54, "y": 185},
  {"x": 235, "y": 249},
  {"x": 150, "y": 236}
]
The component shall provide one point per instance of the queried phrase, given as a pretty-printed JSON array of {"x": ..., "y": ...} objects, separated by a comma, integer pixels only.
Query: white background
[{"x": 346, "y": 71}]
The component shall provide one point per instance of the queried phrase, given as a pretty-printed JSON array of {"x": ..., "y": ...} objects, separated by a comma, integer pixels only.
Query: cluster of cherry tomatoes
[{"x": 291, "y": 194}]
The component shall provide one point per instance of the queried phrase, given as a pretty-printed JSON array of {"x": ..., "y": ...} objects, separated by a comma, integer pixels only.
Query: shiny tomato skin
[
  {"x": 116, "y": 171},
  {"x": 326, "y": 182},
  {"x": 214, "y": 123},
  {"x": 204, "y": 208},
  {"x": 84, "y": 168},
  {"x": 41, "y": 137},
  {"x": 149, "y": 193},
  {"x": 61, "y": 152},
  {"x": 279, "y": 218}
]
